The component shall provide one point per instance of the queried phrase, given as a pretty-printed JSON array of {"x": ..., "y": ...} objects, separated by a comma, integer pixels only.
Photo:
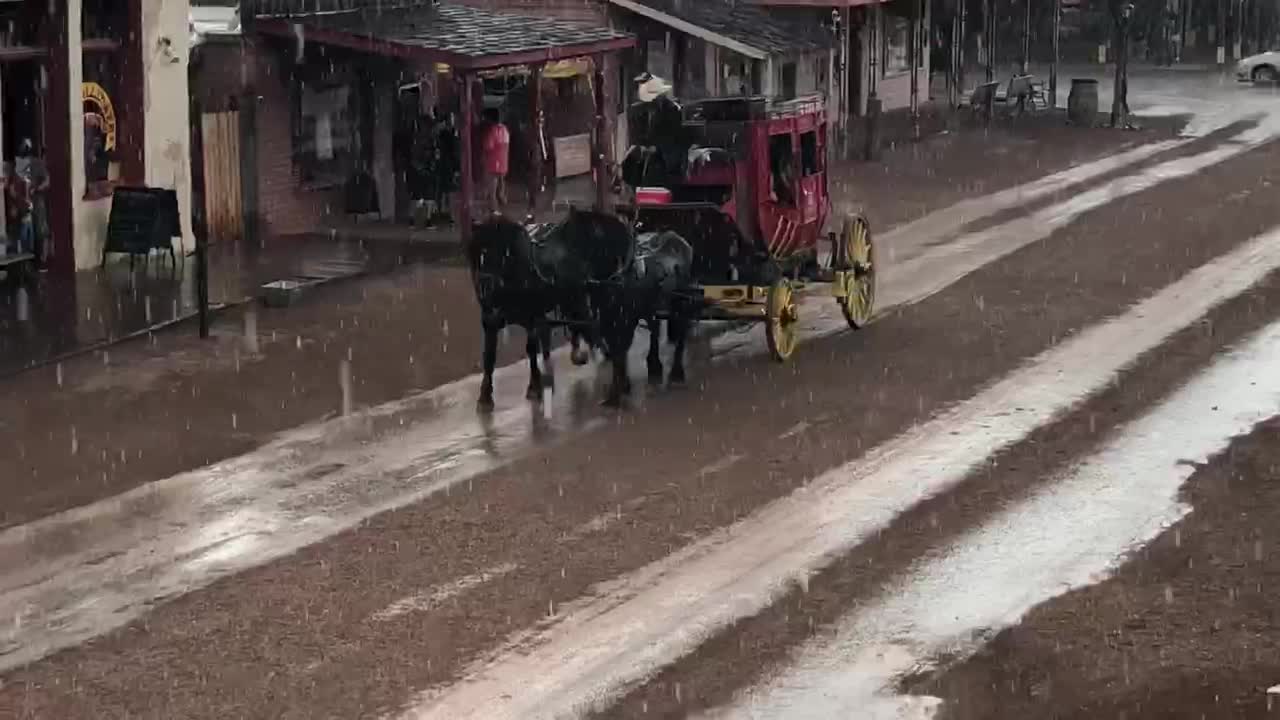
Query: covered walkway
[{"x": 469, "y": 42}]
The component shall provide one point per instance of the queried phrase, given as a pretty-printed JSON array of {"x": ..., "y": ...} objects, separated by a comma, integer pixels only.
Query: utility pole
[
  {"x": 1053, "y": 65},
  {"x": 914, "y": 64},
  {"x": 988, "y": 40},
  {"x": 1026, "y": 37},
  {"x": 1121, "y": 17},
  {"x": 961, "y": 36},
  {"x": 953, "y": 59},
  {"x": 1221, "y": 32}
]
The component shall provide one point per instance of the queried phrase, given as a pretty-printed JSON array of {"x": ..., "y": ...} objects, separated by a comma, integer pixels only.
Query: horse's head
[
  {"x": 603, "y": 243},
  {"x": 498, "y": 254}
]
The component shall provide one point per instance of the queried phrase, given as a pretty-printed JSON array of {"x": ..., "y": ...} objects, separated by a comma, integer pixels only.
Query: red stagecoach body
[
  {"x": 752, "y": 200},
  {"x": 772, "y": 190}
]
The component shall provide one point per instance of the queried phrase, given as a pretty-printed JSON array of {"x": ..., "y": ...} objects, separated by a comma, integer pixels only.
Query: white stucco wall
[
  {"x": 167, "y": 151},
  {"x": 168, "y": 159}
]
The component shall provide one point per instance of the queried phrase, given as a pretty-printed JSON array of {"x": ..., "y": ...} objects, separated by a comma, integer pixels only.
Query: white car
[{"x": 1260, "y": 68}]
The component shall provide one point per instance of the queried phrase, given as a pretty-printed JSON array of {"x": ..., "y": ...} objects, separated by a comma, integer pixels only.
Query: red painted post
[
  {"x": 57, "y": 140},
  {"x": 602, "y": 142},
  {"x": 536, "y": 137}
]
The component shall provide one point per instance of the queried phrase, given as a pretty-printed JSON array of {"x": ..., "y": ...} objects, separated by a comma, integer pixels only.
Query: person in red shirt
[{"x": 495, "y": 145}]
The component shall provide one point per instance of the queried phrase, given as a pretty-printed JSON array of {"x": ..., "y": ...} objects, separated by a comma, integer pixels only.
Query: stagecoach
[{"x": 750, "y": 194}]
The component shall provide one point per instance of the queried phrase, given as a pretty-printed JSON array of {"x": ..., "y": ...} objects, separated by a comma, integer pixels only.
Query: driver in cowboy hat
[
  {"x": 651, "y": 87},
  {"x": 657, "y": 123}
]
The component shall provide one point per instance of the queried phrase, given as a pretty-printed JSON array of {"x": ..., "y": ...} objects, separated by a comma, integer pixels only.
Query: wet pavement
[
  {"x": 56, "y": 317},
  {"x": 774, "y": 541}
]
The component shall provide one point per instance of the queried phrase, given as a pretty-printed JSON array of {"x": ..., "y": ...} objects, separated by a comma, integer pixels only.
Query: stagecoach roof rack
[{"x": 803, "y": 105}]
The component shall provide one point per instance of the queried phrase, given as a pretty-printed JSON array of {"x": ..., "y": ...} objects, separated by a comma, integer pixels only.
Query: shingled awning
[
  {"x": 745, "y": 29},
  {"x": 458, "y": 35}
]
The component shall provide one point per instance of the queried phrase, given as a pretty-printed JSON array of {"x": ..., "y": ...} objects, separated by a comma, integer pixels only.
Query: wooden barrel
[{"x": 1082, "y": 103}]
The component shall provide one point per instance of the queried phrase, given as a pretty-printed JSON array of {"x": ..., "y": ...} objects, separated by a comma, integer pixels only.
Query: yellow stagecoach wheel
[
  {"x": 859, "y": 263},
  {"x": 781, "y": 320}
]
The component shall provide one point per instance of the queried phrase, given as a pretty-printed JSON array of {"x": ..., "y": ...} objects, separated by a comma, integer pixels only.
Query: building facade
[{"x": 99, "y": 87}]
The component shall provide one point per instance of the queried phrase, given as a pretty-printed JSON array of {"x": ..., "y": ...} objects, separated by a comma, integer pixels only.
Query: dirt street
[{"x": 1037, "y": 485}]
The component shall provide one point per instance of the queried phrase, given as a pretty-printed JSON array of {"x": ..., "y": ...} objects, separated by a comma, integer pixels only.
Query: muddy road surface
[{"x": 1036, "y": 486}]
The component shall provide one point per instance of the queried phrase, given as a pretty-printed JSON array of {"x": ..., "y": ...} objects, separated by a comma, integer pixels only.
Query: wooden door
[{"x": 222, "y": 202}]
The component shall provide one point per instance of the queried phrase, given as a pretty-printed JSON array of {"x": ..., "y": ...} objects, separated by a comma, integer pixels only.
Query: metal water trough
[{"x": 287, "y": 291}]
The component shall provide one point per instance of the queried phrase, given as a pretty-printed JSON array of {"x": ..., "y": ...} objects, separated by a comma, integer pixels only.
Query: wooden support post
[
  {"x": 466, "y": 128},
  {"x": 56, "y": 139},
  {"x": 199, "y": 215},
  {"x": 602, "y": 143},
  {"x": 537, "y": 138}
]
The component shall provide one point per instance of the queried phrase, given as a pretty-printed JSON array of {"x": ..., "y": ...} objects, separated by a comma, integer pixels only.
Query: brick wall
[{"x": 284, "y": 206}]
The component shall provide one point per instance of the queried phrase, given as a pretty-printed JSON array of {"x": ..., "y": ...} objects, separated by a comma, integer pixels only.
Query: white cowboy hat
[{"x": 651, "y": 88}]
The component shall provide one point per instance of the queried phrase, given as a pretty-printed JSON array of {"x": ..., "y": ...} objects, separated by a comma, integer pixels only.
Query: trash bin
[{"x": 1082, "y": 103}]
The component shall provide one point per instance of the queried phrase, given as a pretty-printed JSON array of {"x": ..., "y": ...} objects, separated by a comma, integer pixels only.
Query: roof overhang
[
  {"x": 690, "y": 29},
  {"x": 828, "y": 4},
  {"x": 293, "y": 27}
]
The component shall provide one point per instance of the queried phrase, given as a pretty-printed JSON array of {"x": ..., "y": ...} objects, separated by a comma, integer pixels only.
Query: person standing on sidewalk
[
  {"x": 496, "y": 150},
  {"x": 30, "y": 167}
]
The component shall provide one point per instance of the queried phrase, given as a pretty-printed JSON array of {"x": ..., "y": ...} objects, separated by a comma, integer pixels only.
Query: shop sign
[
  {"x": 104, "y": 113},
  {"x": 573, "y": 155}
]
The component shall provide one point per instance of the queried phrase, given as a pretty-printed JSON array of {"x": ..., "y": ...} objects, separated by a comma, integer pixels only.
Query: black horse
[
  {"x": 656, "y": 283},
  {"x": 510, "y": 292},
  {"x": 522, "y": 278}
]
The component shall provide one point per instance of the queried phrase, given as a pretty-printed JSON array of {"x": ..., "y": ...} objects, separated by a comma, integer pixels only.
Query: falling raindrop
[
  {"x": 234, "y": 421},
  {"x": 344, "y": 382},
  {"x": 75, "y": 441},
  {"x": 1168, "y": 594},
  {"x": 58, "y": 372}
]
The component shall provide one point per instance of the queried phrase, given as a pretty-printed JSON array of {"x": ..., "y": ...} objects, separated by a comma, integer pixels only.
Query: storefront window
[
  {"x": 101, "y": 122},
  {"x": 329, "y": 125},
  {"x": 897, "y": 43},
  {"x": 103, "y": 22}
]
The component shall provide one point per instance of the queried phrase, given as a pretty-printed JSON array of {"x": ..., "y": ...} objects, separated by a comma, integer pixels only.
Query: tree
[{"x": 1122, "y": 19}]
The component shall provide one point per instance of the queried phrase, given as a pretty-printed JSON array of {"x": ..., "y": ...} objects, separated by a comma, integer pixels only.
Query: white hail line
[
  {"x": 432, "y": 597},
  {"x": 1072, "y": 533},
  {"x": 721, "y": 465},
  {"x": 644, "y": 621}
]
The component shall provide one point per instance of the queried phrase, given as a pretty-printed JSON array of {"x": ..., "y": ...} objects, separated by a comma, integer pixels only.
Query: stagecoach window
[
  {"x": 809, "y": 153},
  {"x": 782, "y": 168}
]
